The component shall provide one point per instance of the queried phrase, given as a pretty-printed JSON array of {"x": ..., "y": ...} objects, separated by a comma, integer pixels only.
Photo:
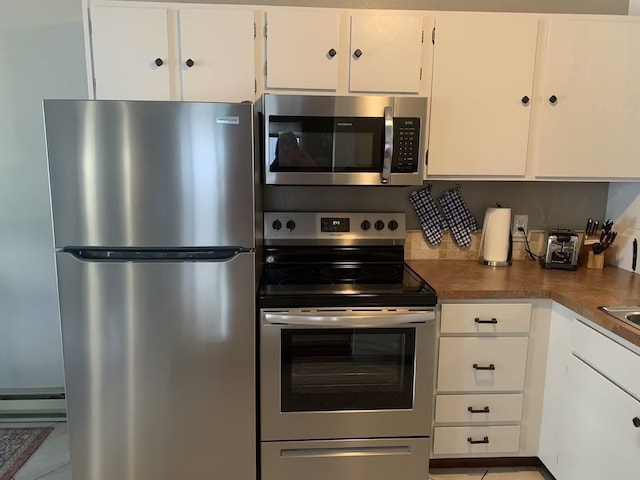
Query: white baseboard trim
[{"x": 38, "y": 404}]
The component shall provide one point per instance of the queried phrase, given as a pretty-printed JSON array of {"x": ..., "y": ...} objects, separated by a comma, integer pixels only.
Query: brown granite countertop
[{"x": 582, "y": 291}]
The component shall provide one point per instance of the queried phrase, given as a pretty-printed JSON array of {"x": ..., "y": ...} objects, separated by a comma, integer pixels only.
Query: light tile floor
[{"x": 51, "y": 462}]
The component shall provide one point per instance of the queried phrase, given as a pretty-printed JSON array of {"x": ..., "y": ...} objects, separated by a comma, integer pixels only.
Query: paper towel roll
[{"x": 495, "y": 234}]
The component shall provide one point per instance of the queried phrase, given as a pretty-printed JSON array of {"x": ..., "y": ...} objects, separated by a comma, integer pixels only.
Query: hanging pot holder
[
  {"x": 458, "y": 217},
  {"x": 429, "y": 216}
]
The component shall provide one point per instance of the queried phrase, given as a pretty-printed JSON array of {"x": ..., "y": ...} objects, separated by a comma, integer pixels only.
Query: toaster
[{"x": 562, "y": 250}]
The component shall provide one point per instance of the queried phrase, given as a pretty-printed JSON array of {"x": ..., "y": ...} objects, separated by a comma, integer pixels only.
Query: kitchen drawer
[
  {"x": 614, "y": 361},
  {"x": 472, "y": 318},
  {"x": 457, "y": 440},
  {"x": 463, "y": 363},
  {"x": 501, "y": 408},
  {"x": 378, "y": 459}
]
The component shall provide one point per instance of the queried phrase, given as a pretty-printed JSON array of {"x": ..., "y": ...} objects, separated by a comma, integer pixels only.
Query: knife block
[{"x": 595, "y": 261}]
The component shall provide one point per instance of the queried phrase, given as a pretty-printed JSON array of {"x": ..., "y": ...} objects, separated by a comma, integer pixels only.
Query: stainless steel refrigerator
[{"x": 154, "y": 224}]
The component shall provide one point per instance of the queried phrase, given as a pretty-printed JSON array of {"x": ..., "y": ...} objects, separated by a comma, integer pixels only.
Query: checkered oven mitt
[
  {"x": 458, "y": 217},
  {"x": 429, "y": 216}
]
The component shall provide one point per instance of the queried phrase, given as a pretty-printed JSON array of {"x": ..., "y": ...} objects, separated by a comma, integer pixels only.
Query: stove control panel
[{"x": 335, "y": 227}]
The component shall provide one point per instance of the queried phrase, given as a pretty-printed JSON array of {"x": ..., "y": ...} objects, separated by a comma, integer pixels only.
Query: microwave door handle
[{"x": 388, "y": 144}]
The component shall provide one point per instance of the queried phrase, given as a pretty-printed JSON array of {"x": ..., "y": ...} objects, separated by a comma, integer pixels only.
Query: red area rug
[{"x": 17, "y": 445}]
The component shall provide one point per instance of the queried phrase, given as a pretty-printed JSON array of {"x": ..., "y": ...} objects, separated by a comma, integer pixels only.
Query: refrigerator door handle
[{"x": 156, "y": 255}]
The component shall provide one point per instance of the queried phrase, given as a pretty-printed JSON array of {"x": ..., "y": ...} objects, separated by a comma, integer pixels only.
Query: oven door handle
[
  {"x": 381, "y": 319},
  {"x": 388, "y": 145}
]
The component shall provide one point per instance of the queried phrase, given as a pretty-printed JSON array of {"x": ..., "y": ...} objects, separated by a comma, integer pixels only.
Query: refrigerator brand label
[{"x": 228, "y": 120}]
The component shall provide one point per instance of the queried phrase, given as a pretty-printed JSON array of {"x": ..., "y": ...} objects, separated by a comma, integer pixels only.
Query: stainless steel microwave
[{"x": 330, "y": 140}]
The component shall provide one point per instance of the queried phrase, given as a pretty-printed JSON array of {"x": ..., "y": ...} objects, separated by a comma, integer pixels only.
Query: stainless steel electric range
[{"x": 347, "y": 349}]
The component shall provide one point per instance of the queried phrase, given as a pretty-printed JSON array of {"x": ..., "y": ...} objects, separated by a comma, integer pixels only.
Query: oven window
[
  {"x": 325, "y": 144},
  {"x": 347, "y": 369}
]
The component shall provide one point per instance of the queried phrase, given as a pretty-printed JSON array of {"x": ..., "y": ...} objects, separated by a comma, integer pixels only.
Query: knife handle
[{"x": 587, "y": 230}]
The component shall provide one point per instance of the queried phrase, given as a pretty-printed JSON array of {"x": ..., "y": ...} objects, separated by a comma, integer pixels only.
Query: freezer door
[
  {"x": 150, "y": 174},
  {"x": 159, "y": 368}
]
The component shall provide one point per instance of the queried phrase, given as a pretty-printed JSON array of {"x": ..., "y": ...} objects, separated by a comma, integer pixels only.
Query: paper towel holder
[{"x": 495, "y": 263}]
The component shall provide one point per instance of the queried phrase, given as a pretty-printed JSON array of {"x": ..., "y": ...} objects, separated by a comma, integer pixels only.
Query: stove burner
[{"x": 302, "y": 283}]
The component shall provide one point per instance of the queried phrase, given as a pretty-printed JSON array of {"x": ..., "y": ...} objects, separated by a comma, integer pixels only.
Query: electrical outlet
[{"x": 520, "y": 221}]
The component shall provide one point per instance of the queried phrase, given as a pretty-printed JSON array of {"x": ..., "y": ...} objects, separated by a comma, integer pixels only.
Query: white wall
[
  {"x": 623, "y": 207},
  {"x": 41, "y": 56},
  {"x": 634, "y": 7}
]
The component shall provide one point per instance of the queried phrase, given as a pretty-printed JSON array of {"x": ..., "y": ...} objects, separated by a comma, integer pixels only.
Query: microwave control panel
[{"x": 406, "y": 145}]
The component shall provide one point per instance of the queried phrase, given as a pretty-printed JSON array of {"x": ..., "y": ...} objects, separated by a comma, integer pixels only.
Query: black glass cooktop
[{"x": 341, "y": 276}]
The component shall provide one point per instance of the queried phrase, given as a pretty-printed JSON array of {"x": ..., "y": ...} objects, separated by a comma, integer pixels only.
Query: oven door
[{"x": 350, "y": 373}]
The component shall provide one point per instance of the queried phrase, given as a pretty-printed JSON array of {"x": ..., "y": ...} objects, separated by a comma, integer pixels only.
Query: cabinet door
[
  {"x": 592, "y": 68},
  {"x": 556, "y": 403},
  {"x": 300, "y": 50},
  {"x": 483, "y": 70},
  {"x": 603, "y": 441},
  {"x": 220, "y": 43},
  {"x": 391, "y": 53},
  {"x": 127, "y": 43}
]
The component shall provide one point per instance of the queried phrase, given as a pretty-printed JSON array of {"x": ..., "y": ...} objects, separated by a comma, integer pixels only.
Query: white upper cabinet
[
  {"x": 482, "y": 90},
  {"x": 303, "y": 49},
  {"x": 130, "y": 50},
  {"x": 329, "y": 50},
  {"x": 149, "y": 53},
  {"x": 218, "y": 44},
  {"x": 589, "y": 115},
  {"x": 386, "y": 53}
]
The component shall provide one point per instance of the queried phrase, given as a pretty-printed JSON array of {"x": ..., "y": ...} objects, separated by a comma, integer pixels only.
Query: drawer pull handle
[
  {"x": 478, "y": 367},
  {"x": 475, "y": 442},
  {"x": 493, "y": 320},
  {"x": 484, "y": 410}
]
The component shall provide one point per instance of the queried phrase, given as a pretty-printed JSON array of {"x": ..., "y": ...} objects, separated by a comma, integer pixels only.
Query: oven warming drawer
[{"x": 379, "y": 459}]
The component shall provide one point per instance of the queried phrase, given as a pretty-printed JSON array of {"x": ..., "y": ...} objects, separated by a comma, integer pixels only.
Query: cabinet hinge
[
  {"x": 422, "y": 36},
  {"x": 90, "y": 27},
  {"x": 265, "y": 30},
  {"x": 420, "y": 73},
  {"x": 433, "y": 35},
  {"x": 254, "y": 30},
  {"x": 426, "y": 158},
  {"x": 265, "y": 69},
  {"x": 255, "y": 85}
]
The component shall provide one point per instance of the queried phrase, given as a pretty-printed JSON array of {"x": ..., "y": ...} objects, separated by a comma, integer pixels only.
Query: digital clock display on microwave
[{"x": 334, "y": 224}]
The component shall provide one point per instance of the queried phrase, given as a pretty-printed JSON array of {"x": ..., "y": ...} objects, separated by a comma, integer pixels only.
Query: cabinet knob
[
  {"x": 189, "y": 63},
  {"x": 332, "y": 53},
  {"x": 553, "y": 99},
  {"x": 636, "y": 422},
  {"x": 158, "y": 62},
  {"x": 525, "y": 100},
  {"x": 357, "y": 53}
]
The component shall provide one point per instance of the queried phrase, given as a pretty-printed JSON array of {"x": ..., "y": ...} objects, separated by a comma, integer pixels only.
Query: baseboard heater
[{"x": 32, "y": 405}]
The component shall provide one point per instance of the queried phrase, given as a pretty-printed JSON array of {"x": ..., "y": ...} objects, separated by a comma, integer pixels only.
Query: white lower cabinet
[
  {"x": 476, "y": 440},
  {"x": 482, "y": 364},
  {"x": 482, "y": 367},
  {"x": 603, "y": 428},
  {"x": 478, "y": 408},
  {"x": 591, "y": 414}
]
